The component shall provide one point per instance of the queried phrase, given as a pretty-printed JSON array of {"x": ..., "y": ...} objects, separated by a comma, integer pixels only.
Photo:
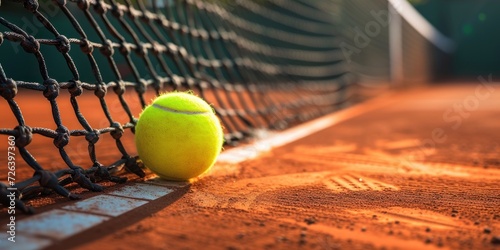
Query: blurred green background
[{"x": 475, "y": 27}]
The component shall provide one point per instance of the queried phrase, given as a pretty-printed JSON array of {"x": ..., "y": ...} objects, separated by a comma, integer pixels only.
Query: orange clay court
[
  {"x": 346, "y": 124},
  {"x": 378, "y": 177}
]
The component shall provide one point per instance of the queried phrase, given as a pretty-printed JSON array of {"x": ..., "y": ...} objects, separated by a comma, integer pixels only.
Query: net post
[{"x": 395, "y": 45}]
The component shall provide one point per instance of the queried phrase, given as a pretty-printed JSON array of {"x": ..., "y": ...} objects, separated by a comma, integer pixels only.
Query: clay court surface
[{"x": 412, "y": 169}]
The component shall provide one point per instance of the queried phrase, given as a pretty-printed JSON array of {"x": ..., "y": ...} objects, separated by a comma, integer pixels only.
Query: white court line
[
  {"x": 41, "y": 230},
  {"x": 108, "y": 205},
  {"x": 247, "y": 152}
]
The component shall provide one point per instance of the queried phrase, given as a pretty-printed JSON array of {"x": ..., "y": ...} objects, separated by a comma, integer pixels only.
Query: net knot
[
  {"x": 30, "y": 44},
  {"x": 100, "y": 90},
  {"x": 86, "y": 46},
  {"x": 82, "y": 179},
  {"x": 145, "y": 17},
  {"x": 31, "y": 5},
  {"x": 140, "y": 87},
  {"x": 195, "y": 33},
  {"x": 224, "y": 35},
  {"x": 62, "y": 137},
  {"x": 132, "y": 166},
  {"x": 99, "y": 8},
  {"x": 47, "y": 179},
  {"x": 51, "y": 90},
  {"x": 141, "y": 50},
  {"x": 214, "y": 35},
  {"x": 8, "y": 89},
  {"x": 177, "y": 81},
  {"x": 227, "y": 63},
  {"x": 134, "y": 121},
  {"x": 92, "y": 136},
  {"x": 157, "y": 48},
  {"x": 107, "y": 48},
  {"x": 184, "y": 29},
  {"x": 204, "y": 35},
  {"x": 118, "y": 132},
  {"x": 158, "y": 83},
  {"x": 199, "y": 4},
  {"x": 124, "y": 48},
  {"x": 116, "y": 11},
  {"x": 24, "y": 135},
  {"x": 184, "y": 53},
  {"x": 172, "y": 49},
  {"x": 75, "y": 88},
  {"x": 83, "y": 4},
  {"x": 119, "y": 88},
  {"x": 131, "y": 13},
  {"x": 1, "y": 38},
  {"x": 191, "y": 82},
  {"x": 64, "y": 45}
]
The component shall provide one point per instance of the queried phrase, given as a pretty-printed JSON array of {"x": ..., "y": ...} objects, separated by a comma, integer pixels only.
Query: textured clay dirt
[{"x": 416, "y": 174}]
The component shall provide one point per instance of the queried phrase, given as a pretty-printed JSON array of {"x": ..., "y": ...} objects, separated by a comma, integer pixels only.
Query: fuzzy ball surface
[{"x": 178, "y": 136}]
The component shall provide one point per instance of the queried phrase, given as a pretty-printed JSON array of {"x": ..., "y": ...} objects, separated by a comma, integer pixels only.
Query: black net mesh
[
  {"x": 262, "y": 64},
  {"x": 74, "y": 75}
]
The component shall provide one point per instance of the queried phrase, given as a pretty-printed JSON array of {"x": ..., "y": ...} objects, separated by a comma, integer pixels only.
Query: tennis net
[{"x": 75, "y": 73}]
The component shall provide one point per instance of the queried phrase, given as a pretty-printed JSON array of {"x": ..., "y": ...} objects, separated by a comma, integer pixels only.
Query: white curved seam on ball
[{"x": 181, "y": 112}]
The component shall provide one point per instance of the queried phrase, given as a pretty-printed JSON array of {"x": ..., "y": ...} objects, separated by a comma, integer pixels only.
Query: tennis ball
[{"x": 178, "y": 136}]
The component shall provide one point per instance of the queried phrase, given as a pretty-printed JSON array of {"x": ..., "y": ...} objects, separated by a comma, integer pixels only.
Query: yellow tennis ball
[{"x": 178, "y": 136}]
